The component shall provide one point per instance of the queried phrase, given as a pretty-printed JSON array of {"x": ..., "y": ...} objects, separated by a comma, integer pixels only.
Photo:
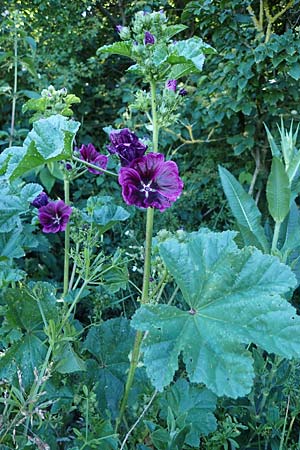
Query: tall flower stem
[
  {"x": 67, "y": 239},
  {"x": 154, "y": 116},
  {"x": 147, "y": 269}
]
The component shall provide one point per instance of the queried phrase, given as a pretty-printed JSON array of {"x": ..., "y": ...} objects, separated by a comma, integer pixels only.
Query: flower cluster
[
  {"x": 53, "y": 215},
  {"x": 126, "y": 145},
  {"x": 147, "y": 180}
]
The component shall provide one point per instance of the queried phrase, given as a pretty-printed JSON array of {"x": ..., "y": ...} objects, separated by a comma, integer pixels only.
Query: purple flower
[
  {"x": 41, "y": 200},
  {"x": 182, "y": 92},
  {"x": 151, "y": 182},
  {"x": 89, "y": 154},
  {"x": 171, "y": 85},
  {"x": 119, "y": 28},
  {"x": 68, "y": 166},
  {"x": 149, "y": 39},
  {"x": 54, "y": 216},
  {"x": 126, "y": 145}
]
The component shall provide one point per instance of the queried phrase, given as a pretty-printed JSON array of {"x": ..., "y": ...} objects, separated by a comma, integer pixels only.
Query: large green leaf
[
  {"x": 234, "y": 297},
  {"x": 110, "y": 343},
  {"x": 11, "y": 245},
  {"x": 51, "y": 139},
  {"x": 26, "y": 355},
  {"x": 49, "y": 135},
  {"x": 190, "y": 51},
  {"x": 191, "y": 405},
  {"x": 278, "y": 191},
  {"x": 10, "y": 208},
  {"x": 30, "y": 191},
  {"x": 245, "y": 211},
  {"x": 27, "y": 308},
  {"x": 29, "y": 304}
]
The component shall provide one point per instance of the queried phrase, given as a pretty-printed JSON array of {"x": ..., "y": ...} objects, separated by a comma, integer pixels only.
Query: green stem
[
  {"x": 275, "y": 236},
  {"x": 70, "y": 310},
  {"x": 284, "y": 424},
  {"x": 147, "y": 270},
  {"x": 87, "y": 420},
  {"x": 14, "y": 98},
  {"x": 93, "y": 166},
  {"x": 147, "y": 262},
  {"x": 130, "y": 377},
  {"x": 154, "y": 116},
  {"x": 67, "y": 240}
]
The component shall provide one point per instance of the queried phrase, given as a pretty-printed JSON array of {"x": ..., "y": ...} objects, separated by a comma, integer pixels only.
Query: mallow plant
[{"x": 150, "y": 379}]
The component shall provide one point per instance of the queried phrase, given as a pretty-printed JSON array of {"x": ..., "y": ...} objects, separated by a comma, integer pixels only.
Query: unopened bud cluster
[{"x": 54, "y": 94}]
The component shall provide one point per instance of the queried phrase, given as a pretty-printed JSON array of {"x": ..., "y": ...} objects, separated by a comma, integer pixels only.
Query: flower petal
[{"x": 168, "y": 181}]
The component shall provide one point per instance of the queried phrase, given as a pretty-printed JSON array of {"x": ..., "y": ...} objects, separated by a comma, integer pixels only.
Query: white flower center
[
  {"x": 146, "y": 188},
  {"x": 57, "y": 219}
]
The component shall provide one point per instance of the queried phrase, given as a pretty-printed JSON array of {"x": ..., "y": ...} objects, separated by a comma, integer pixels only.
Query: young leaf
[
  {"x": 234, "y": 297},
  {"x": 278, "y": 191},
  {"x": 67, "y": 360},
  {"x": 184, "y": 52},
  {"x": 103, "y": 212},
  {"x": 245, "y": 211},
  {"x": 180, "y": 70},
  {"x": 9, "y": 274},
  {"x": 117, "y": 48},
  {"x": 174, "y": 29},
  {"x": 191, "y": 404},
  {"x": 274, "y": 147}
]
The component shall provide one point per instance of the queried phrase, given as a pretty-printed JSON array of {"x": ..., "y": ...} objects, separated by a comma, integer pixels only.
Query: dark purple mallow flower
[
  {"x": 41, "y": 200},
  {"x": 171, "y": 85},
  {"x": 182, "y": 92},
  {"x": 89, "y": 154},
  {"x": 54, "y": 216},
  {"x": 150, "y": 181},
  {"x": 149, "y": 39},
  {"x": 126, "y": 145}
]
